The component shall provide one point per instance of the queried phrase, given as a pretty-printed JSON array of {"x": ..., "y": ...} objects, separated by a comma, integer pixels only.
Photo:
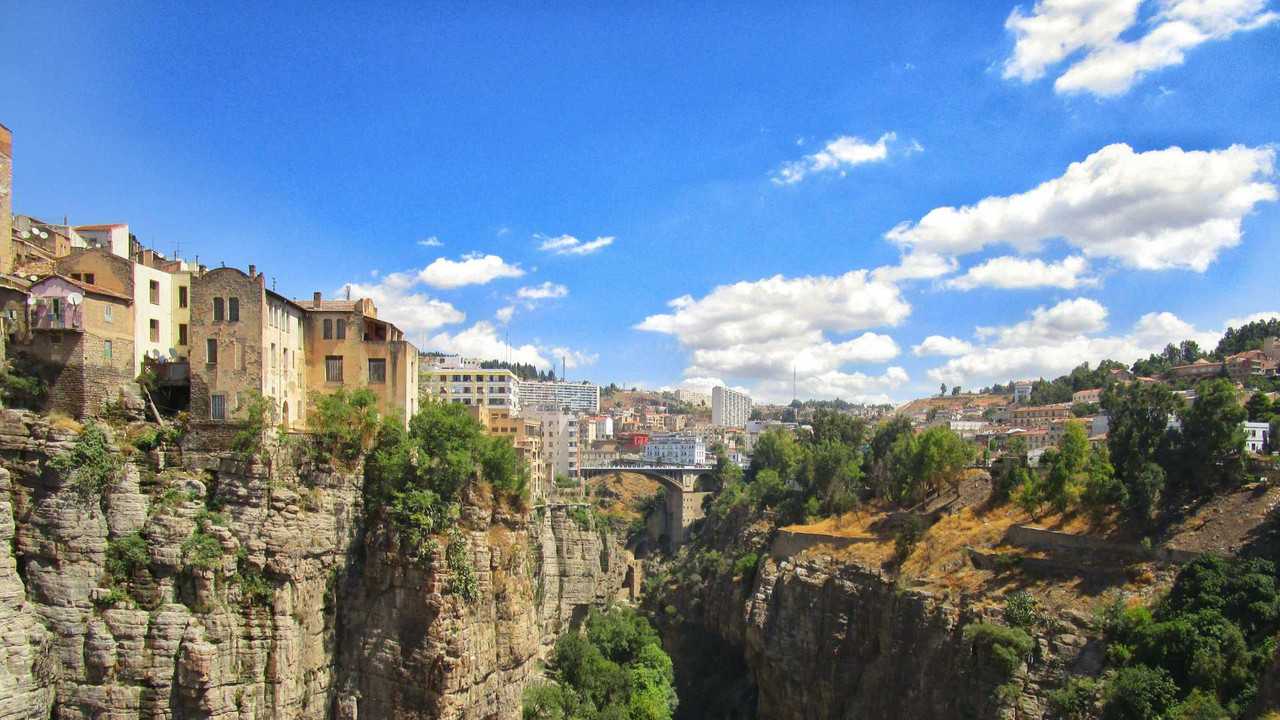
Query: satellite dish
[
  {"x": 32, "y": 299},
  {"x": 75, "y": 298}
]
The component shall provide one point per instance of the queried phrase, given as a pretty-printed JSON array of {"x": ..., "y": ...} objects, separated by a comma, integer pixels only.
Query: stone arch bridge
[{"x": 686, "y": 487}]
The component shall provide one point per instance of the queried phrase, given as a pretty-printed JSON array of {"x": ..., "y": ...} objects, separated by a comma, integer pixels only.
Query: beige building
[
  {"x": 6, "y": 200},
  {"x": 1039, "y": 416},
  {"x": 526, "y": 437},
  {"x": 348, "y": 346},
  {"x": 466, "y": 383}
]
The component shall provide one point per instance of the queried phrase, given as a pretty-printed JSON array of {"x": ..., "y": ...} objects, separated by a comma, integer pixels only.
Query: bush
[
  {"x": 905, "y": 539},
  {"x": 125, "y": 556},
  {"x": 254, "y": 587},
  {"x": 1021, "y": 610},
  {"x": 458, "y": 557},
  {"x": 745, "y": 566},
  {"x": 1004, "y": 647},
  {"x": 344, "y": 424},
  {"x": 90, "y": 465},
  {"x": 259, "y": 414},
  {"x": 1139, "y": 693},
  {"x": 1075, "y": 700},
  {"x": 418, "y": 514}
]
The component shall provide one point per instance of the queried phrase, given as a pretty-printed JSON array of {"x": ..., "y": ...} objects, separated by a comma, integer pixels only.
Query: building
[
  {"x": 694, "y": 398},
  {"x": 1038, "y": 416},
  {"x": 526, "y": 437},
  {"x": 1257, "y": 436},
  {"x": 82, "y": 337},
  {"x": 347, "y": 346},
  {"x": 729, "y": 408},
  {"x": 561, "y": 441},
  {"x": 245, "y": 339},
  {"x": 1022, "y": 391},
  {"x": 7, "y": 254},
  {"x": 469, "y": 384},
  {"x": 112, "y": 237},
  {"x": 601, "y": 453},
  {"x": 581, "y": 397},
  {"x": 1092, "y": 396},
  {"x": 676, "y": 449},
  {"x": 598, "y": 427}
]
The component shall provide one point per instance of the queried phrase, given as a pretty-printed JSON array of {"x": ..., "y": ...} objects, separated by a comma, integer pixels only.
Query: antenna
[{"x": 793, "y": 382}]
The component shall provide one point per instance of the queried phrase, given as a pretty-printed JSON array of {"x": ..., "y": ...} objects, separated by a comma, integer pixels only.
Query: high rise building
[
  {"x": 561, "y": 441},
  {"x": 453, "y": 379},
  {"x": 729, "y": 408},
  {"x": 580, "y": 397}
]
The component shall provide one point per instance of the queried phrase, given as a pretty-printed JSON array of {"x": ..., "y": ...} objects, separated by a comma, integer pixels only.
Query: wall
[
  {"x": 239, "y": 369},
  {"x": 398, "y": 395},
  {"x": 6, "y": 200},
  {"x": 285, "y": 365},
  {"x": 145, "y": 311}
]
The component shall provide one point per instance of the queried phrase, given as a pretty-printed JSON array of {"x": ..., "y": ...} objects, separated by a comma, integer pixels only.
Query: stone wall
[
  {"x": 79, "y": 375},
  {"x": 1040, "y": 539}
]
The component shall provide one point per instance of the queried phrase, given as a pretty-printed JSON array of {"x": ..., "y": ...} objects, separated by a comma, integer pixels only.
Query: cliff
[{"x": 260, "y": 593}]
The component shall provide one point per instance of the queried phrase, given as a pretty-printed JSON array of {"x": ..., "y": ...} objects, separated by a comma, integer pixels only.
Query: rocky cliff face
[
  {"x": 811, "y": 637},
  {"x": 262, "y": 596}
]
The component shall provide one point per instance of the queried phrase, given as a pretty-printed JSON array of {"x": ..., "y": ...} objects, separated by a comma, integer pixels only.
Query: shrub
[
  {"x": 418, "y": 514},
  {"x": 905, "y": 539},
  {"x": 745, "y": 566},
  {"x": 259, "y": 414},
  {"x": 1021, "y": 610},
  {"x": 21, "y": 385},
  {"x": 1075, "y": 700},
  {"x": 202, "y": 550},
  {"x": 457, "y": 556},
  {"x": 90, "y": 464},
  {"x": 254, "y": 586},
  {"x": 1005, "y": 647},
  {"x": 344, "y": 424},
  {"x": 125, "y": 556},
  {"x": 1139, "y": 693}
]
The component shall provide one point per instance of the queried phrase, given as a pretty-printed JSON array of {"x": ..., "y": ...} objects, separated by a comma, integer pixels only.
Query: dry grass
[
  {"x": 622, "y": 494},
  {"x": 62, "y": 421}
]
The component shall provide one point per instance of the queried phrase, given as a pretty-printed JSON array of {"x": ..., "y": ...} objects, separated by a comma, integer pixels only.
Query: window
[
  {"x": 76, "y": 276},
  {"x": 89, "y": 279},
  {"x": 182, "y": 334},
  {"x": 217, "y": 309},
  {"x": 211, "y": 351},
  {"x": 154, "y": 288},
  {"x": 55, "y": 338},
  {"x": 106, "y": 313},
  {"x": 182, "y": 296},
  {"x": 154, "y": 327},
  {"x": 377, "y": 370},
  {"x": 106, "y": 350},
  {"x": 273, "y": 356},
  {"x": 286, "y": 360},
  {"x": 333, "y": 368},
  {"x": 233, "y": 309},
  {"x": 328, "y": 329},
  {"x": 342, "y": 329},
  {"x": 217, "y": 406}
]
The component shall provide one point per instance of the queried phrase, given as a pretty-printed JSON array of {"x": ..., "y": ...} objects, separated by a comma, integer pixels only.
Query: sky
[{"x": 874, "y": 198}]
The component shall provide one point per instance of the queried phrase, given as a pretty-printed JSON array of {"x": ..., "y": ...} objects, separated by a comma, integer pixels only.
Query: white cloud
[
  {"x": 481, "y": 341},
  {"x": 471, "y": 269},
  {"x": 852, "y": 387},
  {"x": 430, "y": 242},
  {"x": 504, "y": 313},
  {"x": 1015, "y": 273},
  {"x": 942, "y": 345},
  {"x": 915, "y": 266},
  {"x": 573, "y": 358},
  {"x": 1056, "y": 339},
  {"x": 1087, "y": 35},
  {"x": 413, "y": 312},
  {"x": 763, "y": 331},
  {"x": 546, "y": 291},
  {"x": 1150, "y": 210},
  {"x": 840, "y": 154},
  {"x": 1255, "y": 317},
  {"x": 570, "y": 245}
]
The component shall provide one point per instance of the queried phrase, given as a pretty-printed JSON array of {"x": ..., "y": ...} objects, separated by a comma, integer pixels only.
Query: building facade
[
  {"x": 676, "y": 449},
  {"x": 580, "y": 397},
  {"x": 6, "y": 201},
  {"x": 496, "y": 389},
  {"x": 526, "y": 437},
  {"x": 729, "y": 408},
  {"x": 1036, "y": 416},
  {"x": 1257, "y": 436},
  {"x": 561, "y": 441}
]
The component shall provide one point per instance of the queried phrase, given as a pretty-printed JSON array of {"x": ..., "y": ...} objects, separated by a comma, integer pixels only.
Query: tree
[
  {"x": 955, "y": 391},
  {"x": 1139, "y": 437},
  {"x": 879, "y": 462},
  {"x": 1260, "y": 407},
  {"x": 776, "y": 449},
  {"x": 1066, "y": 478},
  {"x": 832, "y": 426},
  {"x": 1213, "y": 437}
]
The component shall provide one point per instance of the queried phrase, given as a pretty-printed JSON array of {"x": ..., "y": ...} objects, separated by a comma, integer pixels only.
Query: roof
[
  {"x": 329, "y": 305},
  {"x": 104, "y": 226},
  {"x": 278, "y": 296},
  {"x": 95, "y": 289}
]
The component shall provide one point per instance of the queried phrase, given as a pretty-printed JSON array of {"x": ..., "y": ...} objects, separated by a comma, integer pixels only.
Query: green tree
[
  {"x": 777, "y": 450},
  {"x": 1139, "y": 693},
  {"x": 1139, "y": 438},
  {"x": 1213, "y": 437},
  {"x": 1260, "y": 407}
]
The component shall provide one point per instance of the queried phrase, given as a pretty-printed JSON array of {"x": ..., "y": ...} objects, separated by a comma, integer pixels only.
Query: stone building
[
  {"x": 348, "y": 346},
  {"x": 6, "y": 200},
  {"x": 244, "y": 339},
  {"x": 82, "y": 337}
]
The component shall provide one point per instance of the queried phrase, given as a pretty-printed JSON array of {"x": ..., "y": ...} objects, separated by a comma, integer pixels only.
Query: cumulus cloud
[
  {"x": 470, "y": 269},
  {"x": 1056, "y": 339},
  {"x": 546, "y": 291},
  {"x": 941, "y": 345},
  {"x": 481, "y": 341},
  {"x": 849, "y": 386},
  {"x": 430, "y": 242},
  {"x": 1087, "y": 35},
  {"x": 570, "y": 245},
  {"x": 915, "y": 266},
  {"x": 397, "y": 301},
  {"x": 840, "y": 154},
  {"x": 504, "y": 313},
  {"x": 762, "y": 331},
  {"x": 1255, "y": 317},
  {"x": 1149, "y": 210},
  {"x": 1015, "y": 273},
  {"x": 573, "y": 358}
]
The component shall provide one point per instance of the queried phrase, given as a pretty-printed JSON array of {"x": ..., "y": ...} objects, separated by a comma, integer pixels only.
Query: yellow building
[{"x": 526, "y": 437}]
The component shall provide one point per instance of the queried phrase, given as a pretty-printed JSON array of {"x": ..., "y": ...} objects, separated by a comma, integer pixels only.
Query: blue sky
[{"x": 715, "y": 186}]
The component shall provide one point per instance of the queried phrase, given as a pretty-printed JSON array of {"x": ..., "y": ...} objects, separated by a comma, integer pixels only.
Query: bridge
[{"x": 686, "y": 485}]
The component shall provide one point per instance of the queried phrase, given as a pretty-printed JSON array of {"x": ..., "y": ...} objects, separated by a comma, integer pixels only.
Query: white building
[
  {"x": 153, "y": 314},
  {"x": 756, "y": 428},
  {"x": 597, "y": 427},
  {"x": 729, "y": 408},
  {"x": 1022, "y": 391},
  {"x": 469, "y": 384},
  {"x": 676, "y": 448},
  {"x": 693, "y": 397},
  {"x": 580, "y": 397},
  {"x": 1257, "y": 435},
  {"x": 561, "y": 441}
]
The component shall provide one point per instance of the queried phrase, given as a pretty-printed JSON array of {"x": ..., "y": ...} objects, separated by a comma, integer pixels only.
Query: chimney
[
  {"x": 251, "y": 270},
  {"x": 315, "y": 299}
]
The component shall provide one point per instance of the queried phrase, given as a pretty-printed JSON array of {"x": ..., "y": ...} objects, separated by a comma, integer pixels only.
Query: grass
[{"x": 62, "y": 421}]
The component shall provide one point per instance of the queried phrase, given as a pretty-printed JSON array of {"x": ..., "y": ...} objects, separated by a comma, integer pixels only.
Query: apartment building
[
  {"x": 1090, "y": 396},
  {"x": 466, "y": 383},
  {"x": 1022, "y": 391},
  {"x": 561, "y": 441},
  {"x": 582, "y": 397},
  {"x": 729, "y": 408},
  {"x": 1039, "y": 416},
  {"x": 676, "y": 449},
  {"x": 525, "y": 435},
  {"x": 694, "y": 398},
  {"x": 348, "y": 346},
  {"x": 82, "y": 336}
]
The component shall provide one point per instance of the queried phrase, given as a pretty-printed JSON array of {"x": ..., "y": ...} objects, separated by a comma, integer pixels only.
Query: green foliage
[
  {"x": 1247, "y": 337},
  {"x": 1212, "y": 441},
  {"x": 776, "y": 450},
  {"x": 502, "y": 468},
  {"x": 125, "y": 556},
  {"x": 259, "y": 414},
  {"x": 255, "y": 588},
  {"x": 1140, "y": 442},
  {"x": 925, "y": 464},
  {"x": 581, "y": 516},
  {"x": 90, "y": 465},
  {"x": 745, "y": 566},
  {"x": 1021, "y": 610},
  {"x": 419, "y": 514},
  {"x": 907, "y": 536},
  {"x": 615, "y": 669},
  {"x": 1004, "y": 647},
  {"x": 21, "y": 385},
  {"x": 1139, "y": 693},
  {"x": 202, "y": 550},
  {"x": 1076, "y": 699},
  {"x": 1260, "y": 408},
  {"x": 462, "y": 578},
  {"x": 344, "y": 424}
]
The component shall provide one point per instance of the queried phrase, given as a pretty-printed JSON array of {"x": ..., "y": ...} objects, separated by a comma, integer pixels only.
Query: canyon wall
[{"x": 296, "y": 611}]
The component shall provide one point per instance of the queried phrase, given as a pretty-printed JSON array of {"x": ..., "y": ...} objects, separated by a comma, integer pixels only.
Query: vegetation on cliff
[{"x": 614, "y": 669}]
